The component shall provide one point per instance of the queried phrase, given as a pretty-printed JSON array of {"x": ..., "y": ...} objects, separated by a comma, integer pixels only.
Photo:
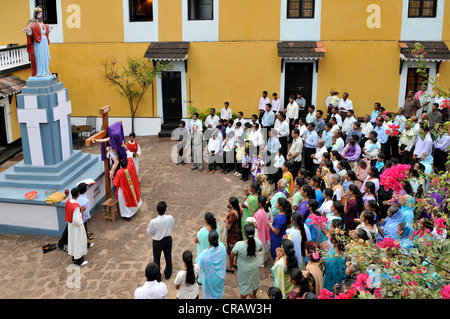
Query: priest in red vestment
[{"x": 128, "y": 191}]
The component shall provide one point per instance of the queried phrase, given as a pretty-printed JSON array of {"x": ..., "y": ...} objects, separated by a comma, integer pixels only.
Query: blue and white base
[{"x": 50, "y": 163}]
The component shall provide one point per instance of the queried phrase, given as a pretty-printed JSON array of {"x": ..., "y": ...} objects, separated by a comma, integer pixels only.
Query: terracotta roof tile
[
  {"x": 435, "y": 50},
  {"x": 167, "y": 50},
  {"x": 10, "y": 84},
  {"x": 301, "y": 49}
]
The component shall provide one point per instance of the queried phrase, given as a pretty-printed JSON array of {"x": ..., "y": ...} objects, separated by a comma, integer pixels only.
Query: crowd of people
[{"x": 304, "y": 164}]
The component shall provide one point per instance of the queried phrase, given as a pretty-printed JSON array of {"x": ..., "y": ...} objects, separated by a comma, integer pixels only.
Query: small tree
[{"x": 133, "y": 79}]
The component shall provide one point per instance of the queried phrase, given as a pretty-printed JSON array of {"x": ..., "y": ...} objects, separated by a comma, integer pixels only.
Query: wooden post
[{"x": 103, "y": 134}]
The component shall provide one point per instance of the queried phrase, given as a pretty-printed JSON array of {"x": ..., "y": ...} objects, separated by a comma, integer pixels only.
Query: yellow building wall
[
  {"x": 444, "y": 74},
  {"x": 14, "y": 15},
  {"x": 367, "y": 70},
  {"x": 236, "y": 72},
  {"x": 249, "y": 20},
  {"x": 101, "y": 21},
  {"x": 79, "y": 67},
  {"x": 347, "y": 20},
  {"x": 170, "y": 20}
]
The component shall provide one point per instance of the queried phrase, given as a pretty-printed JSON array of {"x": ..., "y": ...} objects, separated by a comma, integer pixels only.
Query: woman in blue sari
[
  {"x": 404, "y": 235},
  {"x": 407, "y": 208},
  {"x": 213, "y": 265},
  {"x": 280, "y": 224},
  {"x": 319, "y": 187},
  {"x": 334, "y": 262},
  {"x": 388, "y": 226}
]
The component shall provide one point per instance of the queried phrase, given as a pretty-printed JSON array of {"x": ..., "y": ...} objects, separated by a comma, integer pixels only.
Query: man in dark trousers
[{"x": 160, "y": 229}]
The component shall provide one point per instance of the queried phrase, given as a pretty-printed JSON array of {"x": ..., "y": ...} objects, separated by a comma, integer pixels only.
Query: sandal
[
  {"x": 230, "y": 270},
  {"x": 90, "y": 236}
]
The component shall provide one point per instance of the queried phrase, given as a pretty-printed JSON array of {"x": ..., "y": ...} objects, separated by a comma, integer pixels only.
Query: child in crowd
[
  {"x": 245, "y": 166},
  {"x": 240, "y": 152},
  {"x": 380, "y": 161},
  {"x": 278, "y": 163},
  {"x": 371, "y": 150},
  {"x": 255, "y": 168},
  {"x": 133, "y": 147},
  {"x": 351, "y": 149}
]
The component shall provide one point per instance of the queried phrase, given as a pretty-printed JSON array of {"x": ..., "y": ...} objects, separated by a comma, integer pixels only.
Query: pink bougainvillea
[
  {"x": 393, "y": 177},
  {"x": 348, "y": 294},
  {"x": 393, "y": 130},
  {"x": 445, "y": 293},
  {"x": 325, "y": 294},
  {"x": 388, "y": 243},
  {"x": 317, "y": 220}
]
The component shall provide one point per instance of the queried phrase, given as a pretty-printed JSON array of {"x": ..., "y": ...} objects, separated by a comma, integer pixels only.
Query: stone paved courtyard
[{"x": 123, "y": 249}]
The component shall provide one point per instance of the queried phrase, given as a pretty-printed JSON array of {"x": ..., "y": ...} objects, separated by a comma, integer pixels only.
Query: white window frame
[
  {"x": 140, "y": 31},
  {"x": 200, "y": 30},
  {"x": 300, "y": 29},
  {"x": 56, "y": 34},
  {"x": 422, "y": 29}
]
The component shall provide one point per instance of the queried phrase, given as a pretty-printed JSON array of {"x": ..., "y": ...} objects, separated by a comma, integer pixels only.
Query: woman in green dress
[
  {"x": 248, "y": 262},
  {"x": 250, "y": 204}
]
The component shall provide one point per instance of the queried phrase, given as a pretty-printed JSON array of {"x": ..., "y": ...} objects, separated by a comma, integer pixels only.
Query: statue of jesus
[{"x": 37, "y": 44}]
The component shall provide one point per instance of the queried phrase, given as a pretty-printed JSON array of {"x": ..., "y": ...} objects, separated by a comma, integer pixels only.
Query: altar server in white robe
[{"x": 77, "y": 245}]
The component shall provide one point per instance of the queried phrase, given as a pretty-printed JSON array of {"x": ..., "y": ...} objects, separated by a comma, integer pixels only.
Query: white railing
[{"x": 12, "y": 57}]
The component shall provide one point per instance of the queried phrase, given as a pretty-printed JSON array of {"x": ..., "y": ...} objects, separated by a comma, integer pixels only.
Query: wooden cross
[{"x": 103, "y": 134}]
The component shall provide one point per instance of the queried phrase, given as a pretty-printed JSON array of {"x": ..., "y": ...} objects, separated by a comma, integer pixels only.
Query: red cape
[
  {"x": 120, "y": 180},
  {"x": 69, "y": 209},
  {"x": 36, "y": 36}
]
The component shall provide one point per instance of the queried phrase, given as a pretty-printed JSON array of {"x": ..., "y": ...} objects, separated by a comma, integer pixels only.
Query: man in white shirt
[
  {"x": 317, "y": 157},
  {"x": 295, "y": 152},
  {"x": 276, "y": 103},
  {"x": 212, "y": 120},
  {"x": 335, "y": 113},
  {"x": 347, "y": 125},
  {"x": 366, "y": 128},
  {"x": 344, "y": 105},
  {"x": 302, "y": 128},
  {"x": 291, "y": 112},
  {"x": 328, "y": 105},
  {"x": 83, "y": 200},
  {"x": 214, "y": 144},
  {"x": 226, "y": 113},
  {"x": 152, "y": 289},
  {"x": 238, "y": 130},
  {"x": 239, "y": 118},
  {"x": 263, "y": 101},
  {"x": 195, "y": 120},
  {"x": 256, "y": 138},
  {"x": 283, "y": 132},
  {"x": 160, "y": 229},
  {"x": 311, "y": 116},
  {"x": 334, "y": 127},
  {"x": 406, "y": 142},
  {"x": 338, "y": 142}
]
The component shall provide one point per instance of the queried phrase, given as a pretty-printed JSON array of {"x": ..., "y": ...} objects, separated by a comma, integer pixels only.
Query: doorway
[
  {"x": 171, "y": 96},
  {"x": 298, "y": 78}
]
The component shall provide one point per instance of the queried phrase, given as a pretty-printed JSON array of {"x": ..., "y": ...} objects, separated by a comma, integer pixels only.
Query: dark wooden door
[
  {"x": 171, "y": 94},
  {"x": 298, "y": 78},
  {"x": 3, "y": 138},
  {"x": 414, "y": 80}
]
